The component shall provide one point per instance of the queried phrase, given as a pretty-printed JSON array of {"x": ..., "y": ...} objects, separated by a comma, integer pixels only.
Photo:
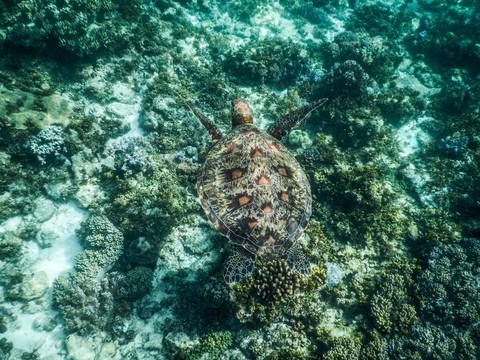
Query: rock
[
  {"x": 175, "y": 341},
  {"x": 123, "y": 93},
  {"x": 154, "y": 342},
  {"x": 34, "y": 286},
  {"x": 334, "y": 274},
  {"x": 107, "y": 351},
  {"x": 44, "y": 323},
  {"x": 59, "y": 191},
  {"x": 87, "y": 194},
  {"x": 188, "y": 247},
  {"x": 79, "y": 348},
  {"x": 44, "y": 209},
  {"x": 46, "y": 238}
]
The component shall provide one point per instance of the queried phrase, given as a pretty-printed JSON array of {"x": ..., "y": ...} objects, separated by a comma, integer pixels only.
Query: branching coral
[
  {"x": 82, "y": 303},
  {"x": 275, "y": 281},
  {"x": 449, "y": 291},
  {"x": 48, "y": 145},
  {"x": 133, "y": 285},
  {"x": 103, "y": 244},
  {"x": 347, "y": 78},
  {"x": 211, "y": 345},
  {"x": 343, "y": 348}
]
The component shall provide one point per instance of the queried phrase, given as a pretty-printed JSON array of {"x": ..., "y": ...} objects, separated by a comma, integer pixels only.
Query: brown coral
[{"x": 274, "y": 281}]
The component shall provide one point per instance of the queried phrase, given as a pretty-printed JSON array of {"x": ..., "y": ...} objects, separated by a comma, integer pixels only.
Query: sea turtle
[{"x": 254, "y": 192}]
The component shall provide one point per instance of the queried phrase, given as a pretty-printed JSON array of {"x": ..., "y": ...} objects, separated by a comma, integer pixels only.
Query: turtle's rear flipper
[
  {"x": 297, "y": 261},
  {"x": 239, "y": 265},
  {"x": 282, "y": 126}
]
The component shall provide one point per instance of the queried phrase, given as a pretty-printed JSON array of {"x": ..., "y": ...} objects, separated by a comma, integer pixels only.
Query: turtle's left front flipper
[
  {"x": 282, "y": 126},
  {"x": 212, "y": 129},
  {"x": 239, "y": 265}
]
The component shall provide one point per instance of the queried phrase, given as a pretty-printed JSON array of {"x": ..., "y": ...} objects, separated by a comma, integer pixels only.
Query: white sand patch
[
  {"x": 411, "y": 137},
  {"x": 406, "y": 79},
  {"x": 26, "y": 338},
  {"x": 59, "y": 258},
  {"x": 11, "y": 224},
  {"x": 53, "y": 261},
  {"x": 269, "y": 22}
]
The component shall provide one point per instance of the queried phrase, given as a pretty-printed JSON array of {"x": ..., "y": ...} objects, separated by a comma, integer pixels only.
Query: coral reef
[
  {"x": 77, "y": 26},
  {"x": 379, "y": 19},
  {"x": 346, "y": 79},
  {"x": 448, "y": 291},
  {"x": 316, "y": 15},
  {"x": 103, "y": 244},
  {"x": 141, "y": 207},
  {"x": 393, "y": 304}
]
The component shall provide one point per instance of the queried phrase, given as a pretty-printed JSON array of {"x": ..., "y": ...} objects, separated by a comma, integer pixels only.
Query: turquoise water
[{"x": 105, "y": 250}]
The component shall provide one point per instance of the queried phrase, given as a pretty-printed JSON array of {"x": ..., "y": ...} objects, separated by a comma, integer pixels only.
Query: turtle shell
[{"x": 254, "y": 191}]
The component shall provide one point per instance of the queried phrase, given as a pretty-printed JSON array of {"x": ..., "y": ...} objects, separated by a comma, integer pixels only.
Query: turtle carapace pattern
[{"x": 254, "y": 192}]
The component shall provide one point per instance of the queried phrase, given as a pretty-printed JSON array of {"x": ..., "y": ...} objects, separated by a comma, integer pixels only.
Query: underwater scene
[{"x": 144, "y": 216}]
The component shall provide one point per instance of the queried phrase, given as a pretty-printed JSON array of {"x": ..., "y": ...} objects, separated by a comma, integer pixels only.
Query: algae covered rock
[{"x": 277, "y": 63}]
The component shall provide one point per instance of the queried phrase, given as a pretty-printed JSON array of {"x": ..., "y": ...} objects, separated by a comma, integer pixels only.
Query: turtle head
[{"x": 241, "y": 113}]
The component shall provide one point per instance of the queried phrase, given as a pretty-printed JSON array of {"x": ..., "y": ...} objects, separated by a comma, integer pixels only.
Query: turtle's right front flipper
[
  {"x": 239, "y": 265},
  {"x": 285, "y": 124},
  {"x": 297, "y": 261},
  {"x": 212, "y": 129}
]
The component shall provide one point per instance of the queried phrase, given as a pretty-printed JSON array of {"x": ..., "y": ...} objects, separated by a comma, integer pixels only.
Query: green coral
[
  {"x": 343, "y": 349},
  {"x": 298, "y": 138},
  {"x": 392, "y": 306},
  {"x": 211, "y": 346},
  {"x": 92, "y": 132}
]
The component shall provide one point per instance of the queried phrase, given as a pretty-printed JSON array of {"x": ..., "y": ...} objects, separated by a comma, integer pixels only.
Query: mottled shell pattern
[{"x": 253, "y": 190}]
